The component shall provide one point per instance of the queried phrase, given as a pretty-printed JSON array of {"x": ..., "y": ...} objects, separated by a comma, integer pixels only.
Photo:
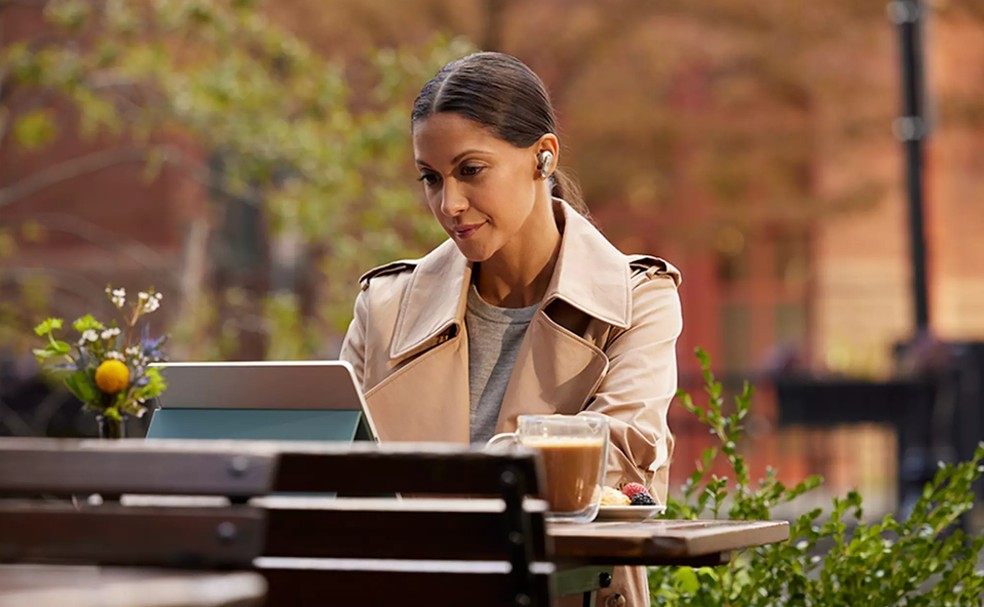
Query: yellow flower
[{"x": 112, "y": 376}]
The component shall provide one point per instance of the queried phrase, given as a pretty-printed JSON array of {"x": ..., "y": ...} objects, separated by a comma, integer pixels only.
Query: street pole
[
  {"x": 915, "y": 459},
  {"x": 912, "y": 129}
]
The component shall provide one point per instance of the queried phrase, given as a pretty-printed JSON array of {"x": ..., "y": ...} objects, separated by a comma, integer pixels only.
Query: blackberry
[{"x": 643, "y": 499}]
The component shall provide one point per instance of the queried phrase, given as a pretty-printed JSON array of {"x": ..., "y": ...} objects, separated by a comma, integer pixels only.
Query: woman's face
[{"x": 480, "y": 188}]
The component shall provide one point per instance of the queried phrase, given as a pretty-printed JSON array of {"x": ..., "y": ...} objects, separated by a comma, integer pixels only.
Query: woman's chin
[{"x": 473, "y": 253}]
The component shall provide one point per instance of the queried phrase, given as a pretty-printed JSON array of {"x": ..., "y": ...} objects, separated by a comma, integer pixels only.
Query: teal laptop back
[
  {"x": 259, "y": 424},
  {"x": 270, "y": 400}
]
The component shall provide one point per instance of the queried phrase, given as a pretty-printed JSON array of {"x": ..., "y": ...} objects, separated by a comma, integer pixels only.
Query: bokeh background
[{"x": 250, "y": 159}]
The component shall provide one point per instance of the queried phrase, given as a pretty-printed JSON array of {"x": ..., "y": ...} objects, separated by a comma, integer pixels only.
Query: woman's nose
[{"x": 453, "y": 201}]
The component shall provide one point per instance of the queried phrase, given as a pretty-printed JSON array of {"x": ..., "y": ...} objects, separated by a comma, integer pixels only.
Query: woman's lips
[{"x": 465, "y": 232}]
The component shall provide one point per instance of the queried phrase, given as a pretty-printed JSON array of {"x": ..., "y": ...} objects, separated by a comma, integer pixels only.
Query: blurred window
[{"x": 763, "y": 276}]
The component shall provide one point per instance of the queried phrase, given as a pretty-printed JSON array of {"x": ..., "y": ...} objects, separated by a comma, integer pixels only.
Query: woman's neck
[{"x": 517, "y": 275}]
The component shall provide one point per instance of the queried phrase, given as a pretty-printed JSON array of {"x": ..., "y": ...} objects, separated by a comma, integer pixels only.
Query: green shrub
[{"x": 924, "y": 560}]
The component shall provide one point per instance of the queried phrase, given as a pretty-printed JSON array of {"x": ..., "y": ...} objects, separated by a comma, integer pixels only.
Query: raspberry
[
  {"x": 634, "y": 489},
  {"x": 643, "y": 499}
]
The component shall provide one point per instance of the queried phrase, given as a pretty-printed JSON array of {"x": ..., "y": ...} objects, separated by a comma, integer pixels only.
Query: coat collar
[{"x": 591, "y": 275}]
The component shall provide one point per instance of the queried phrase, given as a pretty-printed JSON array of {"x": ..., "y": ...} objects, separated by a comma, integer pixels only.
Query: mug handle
[{"x": 499, "y": 439}]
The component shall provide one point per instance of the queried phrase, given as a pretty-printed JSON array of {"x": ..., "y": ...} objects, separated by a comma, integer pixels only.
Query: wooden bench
[{"x": 488, "y": 548}]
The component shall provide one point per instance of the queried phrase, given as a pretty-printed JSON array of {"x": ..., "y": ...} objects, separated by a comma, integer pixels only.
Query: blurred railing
[{"x": 884, "y": 437}]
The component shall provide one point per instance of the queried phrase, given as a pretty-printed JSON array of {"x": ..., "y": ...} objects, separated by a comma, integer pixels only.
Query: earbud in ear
[{"x": 543, "y": 161}]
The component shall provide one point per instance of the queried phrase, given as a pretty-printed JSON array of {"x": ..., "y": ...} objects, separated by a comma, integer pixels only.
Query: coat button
[{"x": 615, "y": 600}]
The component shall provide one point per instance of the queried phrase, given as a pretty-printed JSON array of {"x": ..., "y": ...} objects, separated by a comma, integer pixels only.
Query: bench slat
[
  {"x": 118, "y": 535},
  {"x": 435, "y": 534},
  {"x": 465, "y": 472},
  {"x": 68, "y": 471},
  {"x": 254, "y": 468},
  {"x": 311, "y": 587}
]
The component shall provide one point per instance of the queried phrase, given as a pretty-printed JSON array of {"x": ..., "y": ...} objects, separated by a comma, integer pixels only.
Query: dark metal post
[{"x": 912, "y": 128}]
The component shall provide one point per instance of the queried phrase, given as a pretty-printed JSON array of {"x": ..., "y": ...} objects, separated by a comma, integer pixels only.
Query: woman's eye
[
  {"x": 470, "y": 170},
  {"x": 429, "y": 179}
]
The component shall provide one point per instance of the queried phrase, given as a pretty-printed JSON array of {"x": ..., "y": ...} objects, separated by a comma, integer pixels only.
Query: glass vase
[{"x": 111, "y": 428}]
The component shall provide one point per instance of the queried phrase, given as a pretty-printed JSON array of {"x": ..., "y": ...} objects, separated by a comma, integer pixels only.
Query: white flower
[
  {"x": 132, "y": 351},
  {"x": 143, "y": 296},
  {"x": 110, "y": 333},
  {"x": 88, "y": 335},
  {"x": 114, "y": 355},
  {"x": 118, "y": 297},
  {"x": 151, "y": 305}
]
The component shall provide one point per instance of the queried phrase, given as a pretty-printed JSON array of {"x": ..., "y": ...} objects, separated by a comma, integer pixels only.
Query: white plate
[{"x": 628, "y": 513}]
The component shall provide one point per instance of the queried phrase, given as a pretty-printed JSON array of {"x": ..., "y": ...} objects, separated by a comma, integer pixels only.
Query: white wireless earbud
[{"x": 543, "y": 161}]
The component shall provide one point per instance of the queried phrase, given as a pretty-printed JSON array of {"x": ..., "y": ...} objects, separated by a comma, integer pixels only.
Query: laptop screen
[{"x": 267, "y": 400}]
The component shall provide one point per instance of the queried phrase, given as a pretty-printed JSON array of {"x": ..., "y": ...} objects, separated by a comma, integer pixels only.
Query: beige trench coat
[{"x": 603, "y": 340}]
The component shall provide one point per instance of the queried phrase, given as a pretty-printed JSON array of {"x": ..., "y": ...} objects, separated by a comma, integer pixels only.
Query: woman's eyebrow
[
  {"x": 465, "y": 153},
  {"x": 456, "y": 159}
]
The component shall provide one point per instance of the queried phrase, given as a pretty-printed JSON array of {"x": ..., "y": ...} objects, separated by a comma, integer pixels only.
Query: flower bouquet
[{"x": 108, "y": 367}]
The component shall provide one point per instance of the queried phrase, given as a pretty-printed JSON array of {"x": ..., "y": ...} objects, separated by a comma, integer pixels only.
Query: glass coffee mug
[{"x": 574, "y": 452}]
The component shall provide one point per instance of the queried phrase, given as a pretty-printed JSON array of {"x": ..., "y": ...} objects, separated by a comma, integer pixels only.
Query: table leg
[
  {"x": 583, "y": 580},
  {"x": 589, "y": 599}
]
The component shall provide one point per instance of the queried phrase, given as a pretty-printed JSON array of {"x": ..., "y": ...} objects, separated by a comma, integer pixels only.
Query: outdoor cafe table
[{"x": 585, "y": 553}]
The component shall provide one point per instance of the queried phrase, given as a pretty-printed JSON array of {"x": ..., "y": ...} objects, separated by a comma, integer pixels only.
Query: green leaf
[
  {"x": 46, "y": 327},
  {"x": 154, "y": 387},
  {"x": 79, "y": 384},
  {"x": 42, "y": 353},
  {"x": 60, "y": 347},
  {"x": 35, "y": 129},
  {"x": 86, "y": 323},
  {"x": 707, "y": 457},
  {"x": 685, "y": 578}
]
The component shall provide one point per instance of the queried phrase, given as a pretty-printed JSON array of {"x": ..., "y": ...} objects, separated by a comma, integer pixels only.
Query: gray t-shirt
[{"x": 494, "y": 337}]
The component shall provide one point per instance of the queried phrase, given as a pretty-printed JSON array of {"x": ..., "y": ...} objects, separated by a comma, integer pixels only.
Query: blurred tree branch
[{"x": 69, "y": 169}]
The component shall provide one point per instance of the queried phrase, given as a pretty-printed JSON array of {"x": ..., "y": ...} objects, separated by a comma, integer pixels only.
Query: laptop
[{"x": 269, "y": 400}]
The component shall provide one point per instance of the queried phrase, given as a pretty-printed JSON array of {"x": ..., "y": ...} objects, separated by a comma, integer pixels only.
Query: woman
[{"x": 526, "y": 309}]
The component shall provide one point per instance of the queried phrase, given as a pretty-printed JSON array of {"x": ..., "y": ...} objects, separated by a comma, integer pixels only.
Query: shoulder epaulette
[
  {"x": 653, "y": 266},
  {"x": 390, "y": 268},
  {"x": 645, "y": 263}
]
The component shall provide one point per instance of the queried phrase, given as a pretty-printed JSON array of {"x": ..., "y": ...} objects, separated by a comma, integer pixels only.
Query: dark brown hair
[{"x": 500, "y": 92}]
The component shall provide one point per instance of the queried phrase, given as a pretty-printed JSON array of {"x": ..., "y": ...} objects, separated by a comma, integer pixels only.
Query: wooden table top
[
  {"x": 661, "y": 542},
  {"x": 648, "y": 542},
  {"x": 85, "y": 586}
]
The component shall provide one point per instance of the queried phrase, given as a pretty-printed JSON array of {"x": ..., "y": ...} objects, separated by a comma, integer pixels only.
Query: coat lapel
[
  {"x": 591, "y": 274},
  {"x": 425, "y": 400},
  {"x": 560, "y": 363},
  {"x": 555, "y": 372},
  {"x": 428, "y": 348},
  {"x": 434, "y": 301}
]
